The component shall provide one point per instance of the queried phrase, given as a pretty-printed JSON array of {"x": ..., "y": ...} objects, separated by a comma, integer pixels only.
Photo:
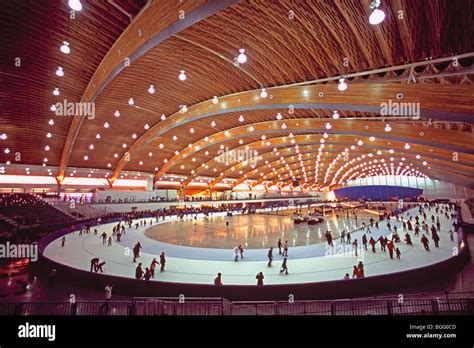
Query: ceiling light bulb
[
  {"x": 98, "y": 136},
  {"x": 65, "y": 47},
  {"x": 151, "y": 90},
  {"x": 283, "y": 126},
  {"x": 175, "y": 137},
  {"x": 182, "y": 75},
  {"x": 342, "y": 85},
  {"x": 56, "y": 91},
  {"x": 360, "y": 143},
  {"x": 134, "y": 136},
  {"x": 131, "y": 101},
  {"x": 106, "y": 125},
  {"x": 377, "y": 15},
  {"x": 161, "y": 146},
  {"x": 4, "y": 136},
  {"x": 372, "y": 138},
  {"x": 191, "y": 130},
  {"x": 215, "y": 100},
  {"x": 48, "y": 135},
  {"x": 407, "y": 146},
  {"x": 335, "y": 115},
  {"x": 117, "y": 113},
  {"x": 328, "y": 126},
  {"x": 263, "y": 93},
  {"x": 241, "y": 118},
  {"x": 388, "y": 128},
  {"x": 51, "y": 122},
  {"x": 184, "y": 108},
  {"x": 60, "y": 71},
  {"x": 242, "y": 58},
  {"x": 47, "y": 148},
  {"x": 86, "y": 158},
  {"x": 75, "y": 5},
  {"x": 53, "y": 107},
  {"x": 279, "y": 116},
  {"x": 213, "y": 124},
  {"x": 146, "y": 126},
  {"x": 91, "y": 146}
]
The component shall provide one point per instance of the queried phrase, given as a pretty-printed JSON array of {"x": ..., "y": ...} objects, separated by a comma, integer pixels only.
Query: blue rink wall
[{"x": 380, "y": 192}]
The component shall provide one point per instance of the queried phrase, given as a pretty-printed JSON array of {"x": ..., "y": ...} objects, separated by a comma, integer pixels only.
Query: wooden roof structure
[{"x": 420, "y": 56}]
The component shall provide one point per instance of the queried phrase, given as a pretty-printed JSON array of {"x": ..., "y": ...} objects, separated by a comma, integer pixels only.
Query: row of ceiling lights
[{"x": 241, "y": 58}]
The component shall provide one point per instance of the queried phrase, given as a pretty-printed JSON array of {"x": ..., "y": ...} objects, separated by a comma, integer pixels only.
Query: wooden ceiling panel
[
  {"x": 32, "y": 32},
  {"x": 286, "y": 42}
]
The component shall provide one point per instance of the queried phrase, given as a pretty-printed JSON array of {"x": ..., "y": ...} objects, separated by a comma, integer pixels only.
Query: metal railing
[{"x": 220, "y": 306}]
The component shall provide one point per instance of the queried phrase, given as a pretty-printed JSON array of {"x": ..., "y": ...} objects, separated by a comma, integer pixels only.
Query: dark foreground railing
[{"x": 220, "y": 306}]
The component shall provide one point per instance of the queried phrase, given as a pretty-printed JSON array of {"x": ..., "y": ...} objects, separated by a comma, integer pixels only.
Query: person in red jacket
[
  {"x": 355, "y": 272},
  {"x": 218, "y": 279},
  {"x": 360, "y": 267},
  {"x": 372, "y": 243},
  {"x": 390, "y": 248}
]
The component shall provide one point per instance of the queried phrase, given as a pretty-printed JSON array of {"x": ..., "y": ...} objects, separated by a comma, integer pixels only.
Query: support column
[
  {"x": 181, "y": 193},
  {"x": 149, "y": 184}
]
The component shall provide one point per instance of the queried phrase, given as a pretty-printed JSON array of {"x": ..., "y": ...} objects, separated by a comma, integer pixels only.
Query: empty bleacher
[{"x": 22, "y": 214}]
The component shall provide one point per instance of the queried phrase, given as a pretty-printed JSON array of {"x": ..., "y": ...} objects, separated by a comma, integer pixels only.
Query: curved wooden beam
[
  {"x": 434, "y": 102},
  {"x": 334, "y": 141},
  {"x": 434, "y": 166},
  {"x": 410, "y": 156},
  {"x": 440, "y": 138},
  {"x": 463, "y": 177},
  {"x": 160, "y": 20}
]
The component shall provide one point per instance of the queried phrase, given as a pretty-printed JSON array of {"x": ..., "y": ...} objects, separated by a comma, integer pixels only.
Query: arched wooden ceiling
[
  {"x": 32, "y": 32},
  {"x": 286, "y": 42}
]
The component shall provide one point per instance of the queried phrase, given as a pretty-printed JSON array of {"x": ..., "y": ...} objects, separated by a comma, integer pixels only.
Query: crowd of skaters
[
  {"x": 417, "y": 224},
  {"x": 427, "y": 213},
  {"x": 410, "y": 224},
  {"x": 118, "y": 231}
]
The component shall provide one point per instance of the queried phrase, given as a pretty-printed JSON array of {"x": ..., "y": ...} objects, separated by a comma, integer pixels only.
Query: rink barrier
[
  {"x": 335, "y": 289},
  {"x": 223, "y": 307}
]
